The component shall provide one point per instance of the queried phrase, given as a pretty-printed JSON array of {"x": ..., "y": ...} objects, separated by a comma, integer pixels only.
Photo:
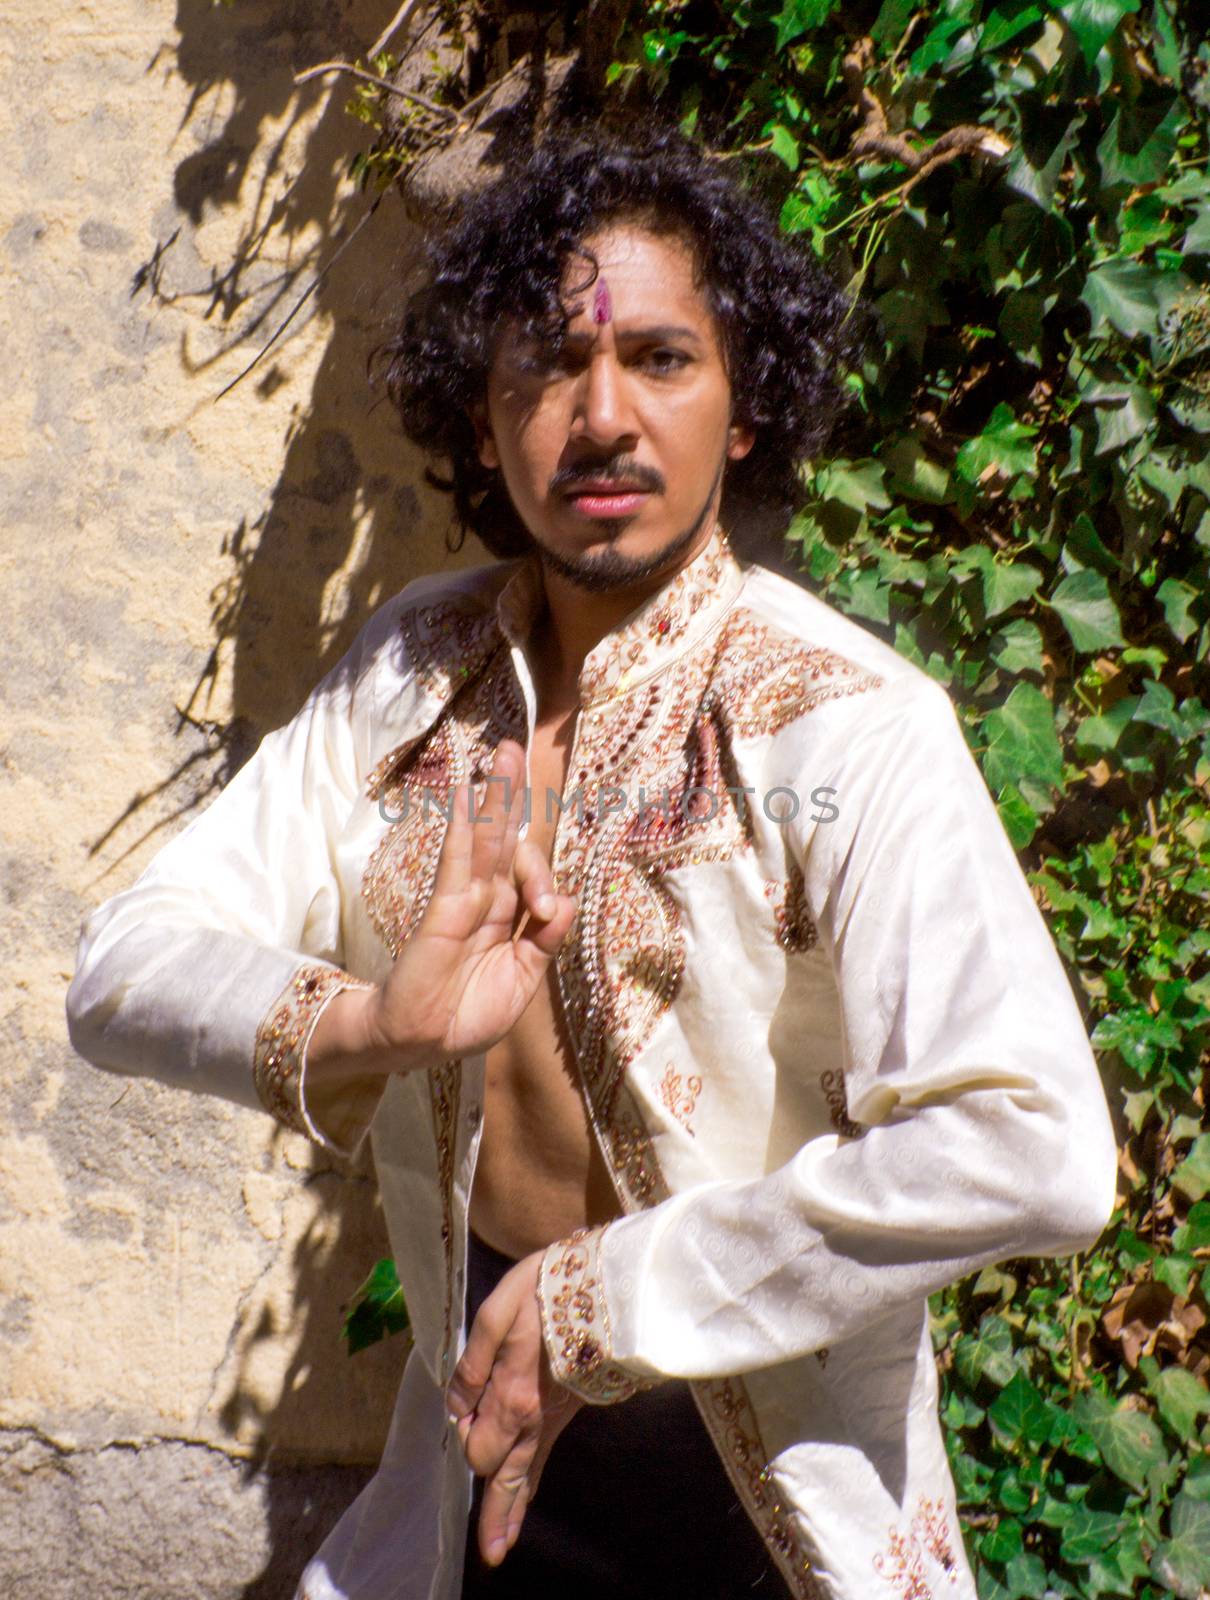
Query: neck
[{"x": 575, "y": 620}]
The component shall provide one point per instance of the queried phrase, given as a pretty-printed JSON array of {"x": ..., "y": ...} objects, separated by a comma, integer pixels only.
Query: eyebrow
[{"x": 656, "y": 332}]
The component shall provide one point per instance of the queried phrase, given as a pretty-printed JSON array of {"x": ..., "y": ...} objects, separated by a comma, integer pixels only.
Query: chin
[{"x": 603, "y": 566}]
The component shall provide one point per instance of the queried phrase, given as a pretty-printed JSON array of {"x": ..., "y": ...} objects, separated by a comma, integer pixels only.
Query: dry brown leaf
[{"x": 1144, "y": 1317}]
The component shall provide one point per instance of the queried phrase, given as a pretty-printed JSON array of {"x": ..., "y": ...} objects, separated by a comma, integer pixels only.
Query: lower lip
[{"x": 608, "y": 505}]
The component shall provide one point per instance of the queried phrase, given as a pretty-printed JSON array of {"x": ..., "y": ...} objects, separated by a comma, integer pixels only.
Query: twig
[
  {"x": 302, "y": 299},
  {"x": 875, "y": 138},
  {"x": 905, "y": 36},
  {"x": 379, "y": 83},
  {"x": 392, "y": 28}
]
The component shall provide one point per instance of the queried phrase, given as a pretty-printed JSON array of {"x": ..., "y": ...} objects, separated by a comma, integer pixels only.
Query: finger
[
  {"x": 520, "y": 1506},
  {"x": 453, "y": 874},
  {"x": 470, "y": 1379},
  {"x": 499, "y": 1509},
  {"x": 505, "y": 1417},
  {"x": 536, "y": 942},
  {"x": 491, "y": 850},
  {"x": 517, "y": 808},
  {"x": 534, "y": 881}
]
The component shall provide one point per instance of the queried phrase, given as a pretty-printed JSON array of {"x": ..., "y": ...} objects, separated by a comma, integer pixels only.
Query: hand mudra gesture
[{"x": 487, "y": 934}]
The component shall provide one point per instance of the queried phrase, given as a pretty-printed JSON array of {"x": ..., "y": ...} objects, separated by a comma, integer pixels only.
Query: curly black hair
[{"x": 787, "y": 331}]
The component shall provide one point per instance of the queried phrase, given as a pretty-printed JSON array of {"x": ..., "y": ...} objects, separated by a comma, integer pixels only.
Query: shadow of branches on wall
[{"x": 260, "y": 209}]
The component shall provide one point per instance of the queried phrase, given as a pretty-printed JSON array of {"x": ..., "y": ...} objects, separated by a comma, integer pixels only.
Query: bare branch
[
  {"x": 302, "y": 299},
  {"x": 381, "y": 83},
  {"x": 392, "y": 28},
  {"x": 874, "y": 137}
]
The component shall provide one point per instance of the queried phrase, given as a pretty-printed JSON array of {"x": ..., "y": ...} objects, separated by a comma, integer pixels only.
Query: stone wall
[{"x": 177, "y": 1413}]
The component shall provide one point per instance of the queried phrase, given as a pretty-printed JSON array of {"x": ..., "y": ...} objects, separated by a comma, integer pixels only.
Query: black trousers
[{"x": 634, "y": 1504}]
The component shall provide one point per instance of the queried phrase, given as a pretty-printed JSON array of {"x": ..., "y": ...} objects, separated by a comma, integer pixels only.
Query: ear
[
  {"x": 485, "y": 445},
  {"x": 740, "y": 440}
]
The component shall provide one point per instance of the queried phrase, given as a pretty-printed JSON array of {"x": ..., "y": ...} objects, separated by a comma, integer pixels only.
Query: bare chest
[{"x": 539, "y": 1174}]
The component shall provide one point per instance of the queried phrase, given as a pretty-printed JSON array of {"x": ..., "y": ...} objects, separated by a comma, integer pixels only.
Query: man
[{"x": 658, "y": 921}]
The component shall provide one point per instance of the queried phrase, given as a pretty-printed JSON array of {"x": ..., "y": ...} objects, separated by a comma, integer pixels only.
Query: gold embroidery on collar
[{"x": 709, "y": 582}]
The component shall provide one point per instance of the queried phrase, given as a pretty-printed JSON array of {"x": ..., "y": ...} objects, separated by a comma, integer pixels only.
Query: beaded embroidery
[
  {"x": 727, "y": 1412},
  {"x": 281, "y": 1040},
  {"x": 575, "y": 1322},
  {"x": 680, "y": 1095},
  {"x": 792, "y": 924},
  {"x": 832, "y": 1084},
  {"x": 445, "y": 1084},
  {"x": 902, "y": 1564}
]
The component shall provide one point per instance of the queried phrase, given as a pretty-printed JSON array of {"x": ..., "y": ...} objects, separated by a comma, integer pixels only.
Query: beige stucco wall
[{"x": 177, "y": 1413}]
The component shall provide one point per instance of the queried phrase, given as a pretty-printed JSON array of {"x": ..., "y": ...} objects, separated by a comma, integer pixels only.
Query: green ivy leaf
[
  {"x": 1178, "y": 600},
  {"x": 1130, "y": 413},
  {"x": 1094, "y": 22},
  {"x": 1194, "y": 1232},
  {"x": 863, "y": 594},
  {"x": 1157, "y": 708},
  {"x": 1174, "y": 1272},
  {"x": 1183, "y": 1562},
  {"x": 1085, "y": 548},
  {"x": 939, "y": 41},
  {"x": 1002, "y": 1542},
  {"x": 1192, "y": 1177},
  {"x": 1021, "y": 324},
  {"x": 784, "y": 146},
  {"x": 796, "y": 16},
  {"x": 1017, "y": 647},
  {"x": 857, "y": 484},
  {"x": 1004, "y": 444},
  {"x": 1139, "y": 143},
  {"x": 1122, "y": 295},
  {"x": 1129, "y": 1441},
  {"x": 1197, "y": 236},
  {"x": 987, "y": 1353},
  {"x": 1006, "y": 21},
  {"x": 1088, "y": 1533},
  {"x": 914, "y": 474},
  {"x": 1006, "y": 583},
  {"x": 1026, "y": 1577},
  {"x": 1100, "y": 734},
  {"x": 1088, "y": 612},
  {"x": 1020, "y": 1412},
  {"x": 377, "y": 1309},
  {"x": 1022, "y": 743},
  {"x": 1019, "y": 818},
  {"x": 1180, "y": 1397}
]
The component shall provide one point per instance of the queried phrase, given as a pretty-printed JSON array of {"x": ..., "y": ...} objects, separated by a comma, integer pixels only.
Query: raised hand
[{"x": 470, "y": 968}]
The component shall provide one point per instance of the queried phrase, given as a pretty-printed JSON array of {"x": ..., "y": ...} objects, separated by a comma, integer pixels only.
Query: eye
[{"x": 665, "y": 361}]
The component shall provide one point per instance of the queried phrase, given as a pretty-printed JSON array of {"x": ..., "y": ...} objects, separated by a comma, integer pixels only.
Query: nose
[{"x": 603, "y": 411}]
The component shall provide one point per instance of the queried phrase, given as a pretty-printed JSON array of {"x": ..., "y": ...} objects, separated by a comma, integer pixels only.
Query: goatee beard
[{"x": 610, "y": 570}]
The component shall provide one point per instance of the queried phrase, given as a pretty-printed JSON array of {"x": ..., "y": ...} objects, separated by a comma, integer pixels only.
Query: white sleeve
[
  {"x": 212, "y": 969},
  {"x": 988, "y": 1134}
]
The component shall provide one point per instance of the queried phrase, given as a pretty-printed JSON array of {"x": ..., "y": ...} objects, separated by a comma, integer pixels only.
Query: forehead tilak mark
[{"x": 602, "y": 302}]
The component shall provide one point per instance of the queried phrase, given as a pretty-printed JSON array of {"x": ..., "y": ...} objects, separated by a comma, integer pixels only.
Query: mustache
[{"x": 616, "y": 467}]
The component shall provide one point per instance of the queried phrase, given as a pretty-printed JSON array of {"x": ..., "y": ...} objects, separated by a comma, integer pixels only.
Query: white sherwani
[{"x": 825, "y": 1042}]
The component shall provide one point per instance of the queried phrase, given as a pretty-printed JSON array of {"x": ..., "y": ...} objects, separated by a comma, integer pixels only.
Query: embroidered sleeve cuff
[
  {"x": 279, "y": 1063},
  {"x": 575, "y": 1322}
]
